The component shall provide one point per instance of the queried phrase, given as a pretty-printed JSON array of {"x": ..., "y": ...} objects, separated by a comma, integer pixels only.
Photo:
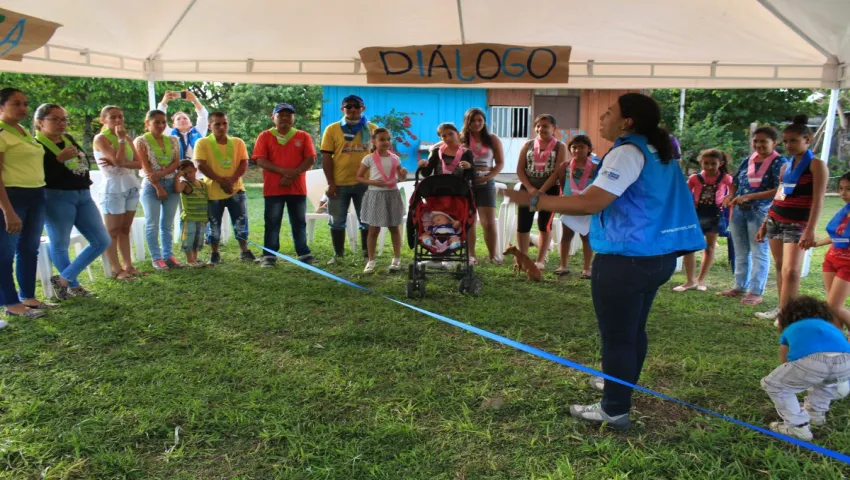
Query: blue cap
[
  {"x": 353, "y": 98},
  {"x": 283, "y": 107}
]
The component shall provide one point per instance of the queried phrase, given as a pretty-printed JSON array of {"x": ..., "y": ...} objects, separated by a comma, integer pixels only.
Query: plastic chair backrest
[{"x": 317, "y": 185}]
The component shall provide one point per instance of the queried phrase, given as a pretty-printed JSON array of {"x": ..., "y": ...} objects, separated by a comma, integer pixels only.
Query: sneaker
[
  {"x": 769, "y": 315},
  {"x": 268, "y": 261},
  {"x": 540, "y": 265},
  {"x": 58, "y": 290},
  {"x": 815, "y": 418},
  {"x": 160, "y": 265},
  {"x": 308, "y": 259},
  {"x": 79, "y": 292},
  {"x": 597, "y": 383},
  {"x": 801, "y": 432},
  {"x": 370, "y": 266},
  {"x": 247, "y": 256},
  {"x": 395, "y": 266},
  {"x": 843, "y": 389},
  {"x": 215, "y": 258},
  {"x": 594, "y": 413},
  {"x": 3, "y": 324},
  {"x": 335, "y": 260},
  {"x": 172, "y": 262}
]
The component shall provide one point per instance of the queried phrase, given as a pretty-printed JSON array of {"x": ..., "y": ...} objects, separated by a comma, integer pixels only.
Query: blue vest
[
  {"x": 193, "y": 137},
  {"x": 654, "y": 216}
]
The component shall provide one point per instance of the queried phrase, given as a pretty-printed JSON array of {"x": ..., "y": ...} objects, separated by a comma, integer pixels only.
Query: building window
[{"x": 510, "y": 122}]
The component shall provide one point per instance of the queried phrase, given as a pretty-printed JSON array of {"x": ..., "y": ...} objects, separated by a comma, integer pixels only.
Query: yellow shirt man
[
  {"x": 224, "y": 162},
  {"x": 346, "y": 154}
]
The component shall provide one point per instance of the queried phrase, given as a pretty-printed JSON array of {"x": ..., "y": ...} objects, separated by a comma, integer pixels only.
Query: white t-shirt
[
  {"x": 375, "y": 174},
  {"x": 621, "y": 168}
]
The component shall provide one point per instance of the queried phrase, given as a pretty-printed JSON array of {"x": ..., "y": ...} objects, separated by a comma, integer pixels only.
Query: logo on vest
[{"x": 609, "y": 174}]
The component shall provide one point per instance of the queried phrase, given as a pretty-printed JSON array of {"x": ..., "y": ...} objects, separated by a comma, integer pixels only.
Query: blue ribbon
[{"x": 567, "y": 363}]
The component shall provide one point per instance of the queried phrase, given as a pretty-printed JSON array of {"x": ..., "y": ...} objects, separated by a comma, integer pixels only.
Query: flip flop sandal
[
  {"x": 585, "y": 276},
  {"x": 730, "y": 293},
  {"x": 751, "y": 301},
  {"x": 127, "y": 278},
  {"x": 561, "y": 271},
  {"x": 702, "y": 288},
  {"x": 684, "y": 288}
]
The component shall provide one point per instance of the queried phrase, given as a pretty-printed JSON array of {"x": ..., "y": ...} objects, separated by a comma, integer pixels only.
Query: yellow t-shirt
[
  {"x": 202, "y": 153},
  {"x": 346, "y": 155},
  {"x": 23, "y": 162}
]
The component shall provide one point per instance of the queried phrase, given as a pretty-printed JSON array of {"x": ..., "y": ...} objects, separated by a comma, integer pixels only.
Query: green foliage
[
  {"x": 709, "y": 133},
  {"x": 249, "y": 108}
]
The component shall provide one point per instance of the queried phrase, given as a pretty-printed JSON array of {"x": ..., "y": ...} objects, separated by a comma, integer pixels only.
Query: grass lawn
[{"x": 239, "y": 372}]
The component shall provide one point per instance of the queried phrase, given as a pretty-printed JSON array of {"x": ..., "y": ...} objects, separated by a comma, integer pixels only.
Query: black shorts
[{"x": 525, "y": 217}]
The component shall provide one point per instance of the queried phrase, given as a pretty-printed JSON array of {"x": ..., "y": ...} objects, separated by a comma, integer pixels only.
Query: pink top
[{"x": 723, "y": 190}]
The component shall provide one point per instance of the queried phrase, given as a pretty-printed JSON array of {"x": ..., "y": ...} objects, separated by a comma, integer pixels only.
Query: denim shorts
[
  {"x": 119, "y": 203},
  {"x": 192, "y": 237},
  {"x": 485, "y": 194},
  {"x": 787, "y": 232}
]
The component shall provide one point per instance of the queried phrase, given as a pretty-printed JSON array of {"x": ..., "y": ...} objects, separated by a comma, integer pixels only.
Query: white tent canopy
[{"x": 616, "y": 44}]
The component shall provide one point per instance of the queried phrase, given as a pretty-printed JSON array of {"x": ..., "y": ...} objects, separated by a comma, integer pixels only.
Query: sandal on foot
[
  {"x": 684, "y": 288},
  {"x": 701, "y": 287},
  {"x": 584, "y": 276},
  {"x": 751, "y": 300},
  {"x": 123, "y": 276},
  {"x": 561, "y": 271},
  {"x": 730, "y": 293}
]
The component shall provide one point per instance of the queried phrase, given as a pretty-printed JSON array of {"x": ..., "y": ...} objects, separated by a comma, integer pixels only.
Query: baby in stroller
[{"x": 441, "y": 232}]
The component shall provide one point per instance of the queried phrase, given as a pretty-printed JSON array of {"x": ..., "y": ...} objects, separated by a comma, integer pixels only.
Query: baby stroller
[{"x": 448, "y": 196}]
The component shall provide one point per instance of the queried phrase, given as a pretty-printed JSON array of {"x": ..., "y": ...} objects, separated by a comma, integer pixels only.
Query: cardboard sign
[
  {"x": 22, "y": 34},
  {"x": 466, "y": 64}
]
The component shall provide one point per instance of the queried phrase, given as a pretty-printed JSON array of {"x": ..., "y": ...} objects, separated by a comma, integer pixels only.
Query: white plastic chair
[
  {"x": 317, "y": 185},
  {"x": 45, "y": 265}
]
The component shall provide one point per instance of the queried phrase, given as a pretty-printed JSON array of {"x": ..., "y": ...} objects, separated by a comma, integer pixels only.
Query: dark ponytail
[
  {"x": 799, "y": 126},
  {"x": 646, "y": 115}
]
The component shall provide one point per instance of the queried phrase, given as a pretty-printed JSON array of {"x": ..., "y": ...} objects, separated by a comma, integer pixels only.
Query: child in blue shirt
[{"x": 816, "y": 357}]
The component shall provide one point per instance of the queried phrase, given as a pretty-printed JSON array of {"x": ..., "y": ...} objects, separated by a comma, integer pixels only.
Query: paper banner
[
  {"x": 466, "y": 64},
  {"x": 21, "y": 34}
]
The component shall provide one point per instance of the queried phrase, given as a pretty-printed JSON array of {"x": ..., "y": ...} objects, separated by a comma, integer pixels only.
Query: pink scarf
[
  {"x": 576, "y": 189},
  {"x": 448, "y": 169},
  {"x": 390, "y": 179},
  {"x": 540, "y": 158},
  {"x": 755, "y": 177},
  {"x": 479, "y": 149}
]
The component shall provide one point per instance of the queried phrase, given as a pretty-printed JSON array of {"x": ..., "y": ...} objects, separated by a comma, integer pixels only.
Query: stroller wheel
[
  {"x": 421, "y": 284},
  {"x": 411, "y": 271},
  {"x": 411, "y": 286}
]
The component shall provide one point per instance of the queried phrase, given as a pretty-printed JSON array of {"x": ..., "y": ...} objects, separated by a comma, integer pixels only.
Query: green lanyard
[
  {"x": 71, "y": 163},
  {"x": 163, "y": 156},
  {"x": 283, "y": 139},
  {"x": 227, "y": 161},
  {"x": 26, "y": 138},
  {"x": 114, "y": 141}
]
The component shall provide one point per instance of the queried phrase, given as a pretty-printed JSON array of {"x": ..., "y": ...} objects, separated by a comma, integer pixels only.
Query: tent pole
[
  {"x": 152, "y": 94},
  {"x": 681, "y": 111},
  {"x": 830, "y": 124}
]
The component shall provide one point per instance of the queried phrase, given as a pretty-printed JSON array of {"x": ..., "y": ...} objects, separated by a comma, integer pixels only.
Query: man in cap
[
  {"x": 285, "y": 154},
  {"x": 344, "y": 144}
]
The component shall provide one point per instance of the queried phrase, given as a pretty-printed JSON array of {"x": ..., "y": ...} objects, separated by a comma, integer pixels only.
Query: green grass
[{"x": 239, "y": 372}]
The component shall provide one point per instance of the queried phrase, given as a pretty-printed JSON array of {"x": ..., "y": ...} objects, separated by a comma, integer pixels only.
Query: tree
[
  {"x": 398, "y": 123},
  {"x": 709, "y": 133},
  {"x": 249, "y": 108}
]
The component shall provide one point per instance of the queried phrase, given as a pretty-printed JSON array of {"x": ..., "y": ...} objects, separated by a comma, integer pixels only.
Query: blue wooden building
[{"x": 426, "y": 107}]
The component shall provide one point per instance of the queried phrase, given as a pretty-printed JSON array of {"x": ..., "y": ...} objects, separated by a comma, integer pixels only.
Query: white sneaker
[
  {"x": 803, "y": 432},
  {"x": 370, "y": 266},
  {"x": 3, "y": 323},
  {"x": 334, "y": 260},
  {"x": 395, "y": 265},
  {"x": 540, "y": 265},
  {"x": 769, "y": 315},
  {"x": 843, "y": 390},
  {"x": 595, "y": 414},
  {"x": 815, "y": 418}
]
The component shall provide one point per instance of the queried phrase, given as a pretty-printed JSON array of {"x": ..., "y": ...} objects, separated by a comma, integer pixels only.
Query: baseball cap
[
  {"x": 281, "y": 107},
  {"x": 353, "y": 98}
]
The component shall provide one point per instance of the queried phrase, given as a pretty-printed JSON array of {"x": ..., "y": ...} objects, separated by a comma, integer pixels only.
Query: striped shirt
[
  {"x": 797, "y": 205},
  {"x": 194, "y": 203}
]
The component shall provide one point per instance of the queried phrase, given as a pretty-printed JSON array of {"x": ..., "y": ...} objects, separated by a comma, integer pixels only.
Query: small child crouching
[
  {"x": 816, "y": 357},
  {"x": 193, "y": 200}
]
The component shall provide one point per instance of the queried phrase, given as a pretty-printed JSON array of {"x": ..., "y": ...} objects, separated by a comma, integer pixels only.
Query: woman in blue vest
[{"x": 642, "y": 220}]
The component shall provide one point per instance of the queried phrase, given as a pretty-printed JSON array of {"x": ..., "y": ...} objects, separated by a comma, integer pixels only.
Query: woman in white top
[
  {"x": 119, "y": 190},
  {"x": 488, "y": 160},
  {"x": 159, "y": 156}
]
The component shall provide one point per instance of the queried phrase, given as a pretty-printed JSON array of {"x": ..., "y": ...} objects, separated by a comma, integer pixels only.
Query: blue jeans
[
  {"x": 623, "y": 289},
  {"x": 296, "y": 206},
  {"x": 21, "y": 248},
  {"x": 68, "y": 209},
  {"x": 159, "y": 219},
  {"x": 338, "y": 207},
  {"x": 752, "y": 259},
  {"x": 237, "y": 205}
]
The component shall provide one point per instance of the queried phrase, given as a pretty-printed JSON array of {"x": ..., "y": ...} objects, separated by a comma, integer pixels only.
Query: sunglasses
[{"x": 352, "y": 106}]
